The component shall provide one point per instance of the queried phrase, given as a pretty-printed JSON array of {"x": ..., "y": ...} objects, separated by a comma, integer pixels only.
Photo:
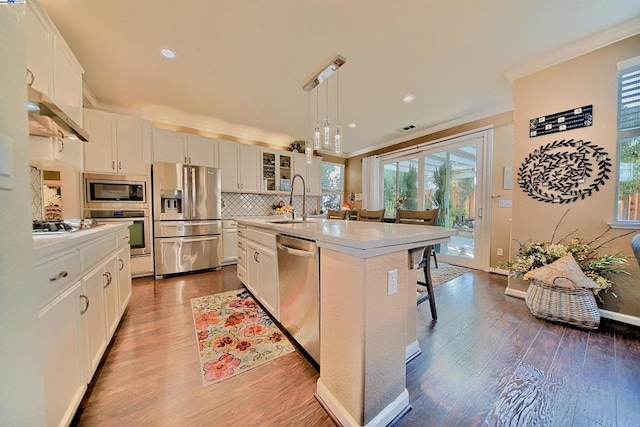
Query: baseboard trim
[
  {"x": 619, "y": 317},
  {"x": 412, "y": 351},
  {"x": 611, "y": 315},
  {"x": 398, "y": 407},
  {"x": 515, "y": 293},
  {"x": 499, "y": 271}
]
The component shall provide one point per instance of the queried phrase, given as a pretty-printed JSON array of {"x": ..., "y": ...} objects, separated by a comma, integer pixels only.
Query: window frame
[
  {"x": 624, "y": 67},
  {"x": 339, "y": 192}
]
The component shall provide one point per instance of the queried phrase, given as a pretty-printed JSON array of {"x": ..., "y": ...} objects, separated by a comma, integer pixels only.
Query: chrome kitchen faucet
[{"x": 304, "y": 197}]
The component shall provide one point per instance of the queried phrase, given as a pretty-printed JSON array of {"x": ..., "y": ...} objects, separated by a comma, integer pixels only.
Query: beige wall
[
  {"x": 502, "y": 156},
  {"x": 587, "y": 79},
  {"x": 21, "y": 388}
]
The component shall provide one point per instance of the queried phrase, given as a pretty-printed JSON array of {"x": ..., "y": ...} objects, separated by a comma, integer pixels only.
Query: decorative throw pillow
[{"x": 567, "y": 272}]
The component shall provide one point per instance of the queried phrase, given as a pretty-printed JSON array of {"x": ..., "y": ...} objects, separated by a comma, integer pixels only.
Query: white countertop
[
  {"x": 46, "y": 244},
  {"x": 359, "y": 238}
]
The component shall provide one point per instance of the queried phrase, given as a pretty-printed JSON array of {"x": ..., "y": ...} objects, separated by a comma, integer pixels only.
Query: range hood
[{"x": 47, "y": 119}]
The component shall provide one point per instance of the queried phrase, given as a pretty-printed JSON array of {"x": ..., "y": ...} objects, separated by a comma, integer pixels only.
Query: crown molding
[
  {"x": 88, "y": 98},
  {"x": 184, "y": 120},
  {"x": 571, "y": 51},
  {"x": 437, "y": 128}
]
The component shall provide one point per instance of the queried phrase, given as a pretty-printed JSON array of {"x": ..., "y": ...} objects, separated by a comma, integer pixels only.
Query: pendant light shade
[
  {"x": 308, "y": 151},
  {"x": 337, "y": 139},
  {"x": 326, "y": 132}
]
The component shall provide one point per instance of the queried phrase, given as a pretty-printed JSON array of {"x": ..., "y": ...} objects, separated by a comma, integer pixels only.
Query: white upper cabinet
[
  {"x": 117, "y": 144},
  {"x": 39, "y": 50},
  {"x": 56, "y": 71},
  {"x": 238, "y": 167},
  {"x": 177, "y": 147},
  {"x": 312, "y": 174}
]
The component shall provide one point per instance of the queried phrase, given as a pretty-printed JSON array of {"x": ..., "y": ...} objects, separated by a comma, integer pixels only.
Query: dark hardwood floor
[{"x": 486, "y": 361}]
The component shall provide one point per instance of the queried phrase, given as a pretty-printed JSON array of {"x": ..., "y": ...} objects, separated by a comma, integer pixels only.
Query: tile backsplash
[
  {"x": 36, "y": 194},
  {"x": 243, "y": 204}
]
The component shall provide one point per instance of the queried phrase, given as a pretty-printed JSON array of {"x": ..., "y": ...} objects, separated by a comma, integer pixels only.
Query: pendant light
[
  {"x": 326, "y": 126},
  {"x": 322, "y": 133},
  {"x": 308, "y": 144},
  {"x": 337, "y": 130},
  {"x": 316, "y": 129}
]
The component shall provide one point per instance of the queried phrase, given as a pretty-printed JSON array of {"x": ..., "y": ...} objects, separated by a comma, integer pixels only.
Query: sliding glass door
[{"x": 448, "y": 176}]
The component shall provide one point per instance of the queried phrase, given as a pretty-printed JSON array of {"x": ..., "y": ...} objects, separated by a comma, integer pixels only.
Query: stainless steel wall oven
[
  {"x": 119, "y": 198},
  {"x": 139, "y": 232}
]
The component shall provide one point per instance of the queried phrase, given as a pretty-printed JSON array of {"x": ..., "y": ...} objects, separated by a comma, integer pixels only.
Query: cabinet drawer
[
  {"x": 242, "y": 244},
  {"x": 264, "y": 238},
  {"x": 98, "y": 251},
  {"x": 242, "y": 274},
  {"x": 123, "y": 238},
  {"x": 242, "y": 231},
  {"x": 55, "y": 276}
]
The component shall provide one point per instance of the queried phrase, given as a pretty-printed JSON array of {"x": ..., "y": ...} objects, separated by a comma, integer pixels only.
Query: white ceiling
[{"x": 241, "y": 64}]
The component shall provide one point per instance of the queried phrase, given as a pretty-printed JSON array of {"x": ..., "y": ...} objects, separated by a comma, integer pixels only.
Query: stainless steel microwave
[{"x": 113, "y": 191}]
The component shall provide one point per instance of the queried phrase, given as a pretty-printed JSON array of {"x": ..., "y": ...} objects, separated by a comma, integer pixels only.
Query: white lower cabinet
[
  {"x": 262, "y": 269},
  {"x": 62, "y": 358},
  {"x": 93, "y": 320},
  {"x": 124, "y": 277},
  {"x": 83, "y": 291},
  {"x": 229, "y": 241}
]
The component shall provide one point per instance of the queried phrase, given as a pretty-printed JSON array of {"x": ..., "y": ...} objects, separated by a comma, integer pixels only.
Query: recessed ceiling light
[
  {"x": 352, "y": 125},
  {"x": 168, "y": 53},
  {"x": 408, "y": 98}
]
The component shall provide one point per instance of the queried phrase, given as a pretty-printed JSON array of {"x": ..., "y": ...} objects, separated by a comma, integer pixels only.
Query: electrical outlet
[
  {"x": 500, "y": 251},
  {"x": 392, "y": 282}
]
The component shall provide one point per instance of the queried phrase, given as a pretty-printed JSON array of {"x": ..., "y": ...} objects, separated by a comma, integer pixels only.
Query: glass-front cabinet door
[{"x": 276, "y": 171}]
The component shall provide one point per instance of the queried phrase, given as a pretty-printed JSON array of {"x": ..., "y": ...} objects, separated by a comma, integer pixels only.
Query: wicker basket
[{"x": 575, "y": 306}]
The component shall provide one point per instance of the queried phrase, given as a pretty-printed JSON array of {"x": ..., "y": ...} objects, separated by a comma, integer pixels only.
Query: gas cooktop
[{"x": 51, "y": 227}]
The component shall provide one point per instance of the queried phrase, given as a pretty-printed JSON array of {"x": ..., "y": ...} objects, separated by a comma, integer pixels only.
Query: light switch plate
[
  {"x": 6, "y": 163},
  {"x": 505, "y": 203}
]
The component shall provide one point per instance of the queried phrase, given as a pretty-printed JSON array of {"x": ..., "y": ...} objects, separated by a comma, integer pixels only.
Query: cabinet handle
[
  {"x": 113, "y": 165},
  {"x": 189, "y": 160},
  {"x": 60, "y": 145},
  {"x": 30, "y": 77},
  {"x": 121, "y": 264},
  {"x": 58, "y": 276},
  {"x": 185, "y": 159},
  {"x": 108, "y": 276},
  {"x": 257, "y": 256},
  {"x": 86, "y": 307},
  {"x": 119, "y": 165}
]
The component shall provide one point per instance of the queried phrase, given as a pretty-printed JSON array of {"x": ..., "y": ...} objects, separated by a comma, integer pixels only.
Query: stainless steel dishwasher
[{"x": 299, "y": 292}]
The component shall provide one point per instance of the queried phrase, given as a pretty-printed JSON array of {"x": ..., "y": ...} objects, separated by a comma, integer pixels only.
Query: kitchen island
[{"x": 367, "y": 331}]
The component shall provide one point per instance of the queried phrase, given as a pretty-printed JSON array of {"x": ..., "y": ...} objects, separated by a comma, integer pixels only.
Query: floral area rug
[
  {"x": 440, "y": 275},
  {"x": 234, "y": 335}
]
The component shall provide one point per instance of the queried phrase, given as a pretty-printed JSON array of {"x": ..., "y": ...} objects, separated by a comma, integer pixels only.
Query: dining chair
[
  {"x": 372, "y": 216},
  {"x": 336, "y": 214},
  {"x": 428, "y": 217}
]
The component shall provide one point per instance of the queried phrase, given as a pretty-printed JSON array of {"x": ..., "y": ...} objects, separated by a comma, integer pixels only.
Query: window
[
  {"x": 400, "y": 186},
  {"x": 332, "y": 186},
  {"x": 628, "y": 201}
]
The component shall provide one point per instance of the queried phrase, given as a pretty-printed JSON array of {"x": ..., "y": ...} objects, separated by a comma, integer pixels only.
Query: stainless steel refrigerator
[{"x": 186, "y": 218}]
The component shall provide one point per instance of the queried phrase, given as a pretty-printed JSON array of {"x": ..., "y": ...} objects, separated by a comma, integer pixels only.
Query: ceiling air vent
[{"x": 406, "y": 128}]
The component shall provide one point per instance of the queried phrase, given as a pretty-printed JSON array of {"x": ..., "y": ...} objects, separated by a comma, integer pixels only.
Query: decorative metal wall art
[
  {"x": 559, "y": 122},
  {"x": 564, "y": 171}
]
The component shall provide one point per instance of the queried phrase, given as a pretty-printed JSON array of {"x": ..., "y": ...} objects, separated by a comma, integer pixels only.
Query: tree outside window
[{"x": 332, "y": 186}]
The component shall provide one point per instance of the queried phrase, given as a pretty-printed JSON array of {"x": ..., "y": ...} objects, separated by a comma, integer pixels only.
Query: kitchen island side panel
[{"x": 363, "y": 331}]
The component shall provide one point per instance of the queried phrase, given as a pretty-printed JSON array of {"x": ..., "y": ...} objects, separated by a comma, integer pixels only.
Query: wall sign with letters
[
  {"x": 564, "y": 171},
  {"x": 559, "y": 122}
]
